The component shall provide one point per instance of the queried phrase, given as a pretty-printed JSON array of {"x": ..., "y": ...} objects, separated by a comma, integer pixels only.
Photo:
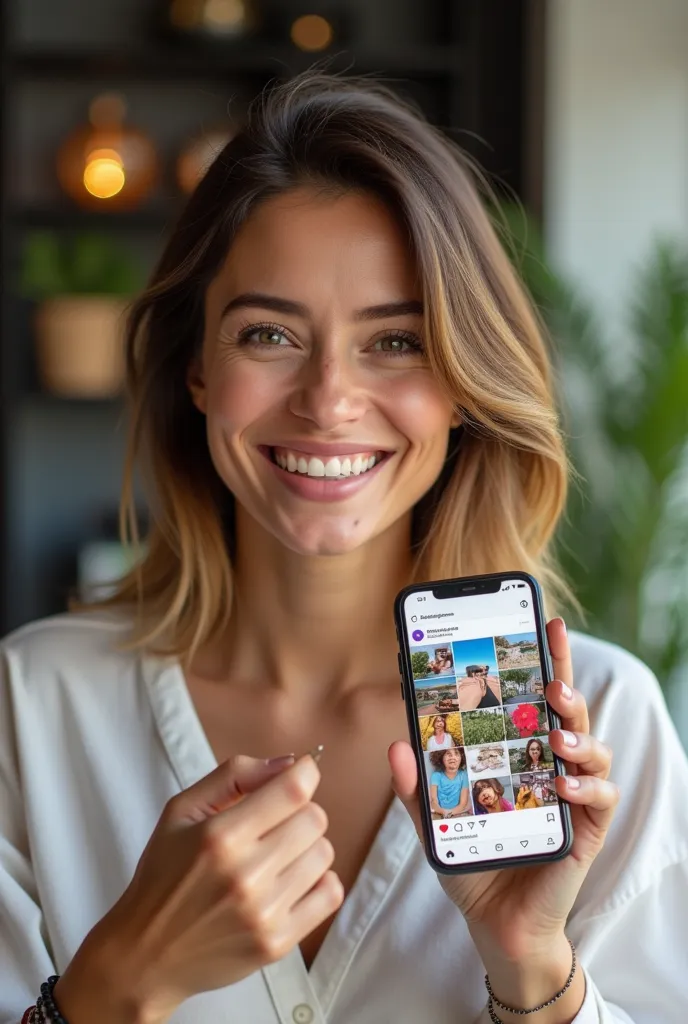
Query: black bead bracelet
[
  {"x": 47, "y": 1010},
  {"x": 522, "y": 1013}
]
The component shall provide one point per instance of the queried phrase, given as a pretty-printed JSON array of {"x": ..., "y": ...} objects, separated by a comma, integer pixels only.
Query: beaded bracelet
[
  {"x": 492, "y": 1001},
  {"x": 45, "y": 1010}
]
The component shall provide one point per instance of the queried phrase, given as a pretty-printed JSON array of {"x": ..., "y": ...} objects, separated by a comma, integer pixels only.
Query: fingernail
[
  {"x": 569, "y": 738},
  {"x": 280, "y": 762},
  {"x": 316, "y": 752},
  {"x": 572, "y": 782},
  {"x": 563, "y": 625},
  {"x": 566, "y": 691}
]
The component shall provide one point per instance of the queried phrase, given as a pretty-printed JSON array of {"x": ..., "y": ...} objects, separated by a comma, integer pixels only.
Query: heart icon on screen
[{"x": 444, "y": 828}]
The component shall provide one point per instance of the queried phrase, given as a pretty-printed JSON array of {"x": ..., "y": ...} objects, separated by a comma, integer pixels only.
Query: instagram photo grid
[{"x": 483, "y": 725}]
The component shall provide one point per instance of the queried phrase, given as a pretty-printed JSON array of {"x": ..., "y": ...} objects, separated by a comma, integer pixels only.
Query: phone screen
[{"x": 479, "y": 674}]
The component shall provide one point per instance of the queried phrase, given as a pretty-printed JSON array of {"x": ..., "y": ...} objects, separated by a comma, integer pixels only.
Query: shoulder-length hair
[
  {"x": 437, "y": 757},
  {"x": 503, "y": 486}
]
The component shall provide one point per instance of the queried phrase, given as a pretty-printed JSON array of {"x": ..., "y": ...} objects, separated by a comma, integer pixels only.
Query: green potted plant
[{"x": 82, "y": 286}]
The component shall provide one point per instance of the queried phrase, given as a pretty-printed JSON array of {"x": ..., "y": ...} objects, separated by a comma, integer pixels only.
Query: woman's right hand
[{"x": 234, "y": 876}]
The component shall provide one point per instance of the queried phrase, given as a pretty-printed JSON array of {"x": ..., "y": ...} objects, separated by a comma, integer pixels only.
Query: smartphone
[{"x": 474, "y": 665}]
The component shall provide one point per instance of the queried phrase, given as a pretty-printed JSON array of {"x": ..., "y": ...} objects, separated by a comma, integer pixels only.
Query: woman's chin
[{"x": 323, "y": 539}]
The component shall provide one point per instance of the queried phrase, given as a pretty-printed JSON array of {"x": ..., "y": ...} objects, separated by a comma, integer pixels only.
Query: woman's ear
[
  {"x": 195, "y": 382},
  {"x": 456, "y": 419}
]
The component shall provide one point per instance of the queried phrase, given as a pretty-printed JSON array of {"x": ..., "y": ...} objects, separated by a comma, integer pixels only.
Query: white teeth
[{"x": 334, "y": 468}]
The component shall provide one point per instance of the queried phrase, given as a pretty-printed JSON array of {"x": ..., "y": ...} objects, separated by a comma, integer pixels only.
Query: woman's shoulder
[
  {"x": 601, "y": 667},
  {"x": 66, "y": 646}
]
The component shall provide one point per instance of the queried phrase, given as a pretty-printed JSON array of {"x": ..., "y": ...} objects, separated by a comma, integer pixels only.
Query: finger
[
  {"x": 324, "y": 899},
  {"x": 224, "y": 787},
  {"x": 599, "y": 797},
  {"x": 589, "y": 755},
  {"x": 292, "y": 884},
  {"x": 285, "y": 843},
  {"x": 273, "y": 803},
  {"x": 402, "y": 762},
  {"x": 570, "y": 705},
  {"x": 559, "y": 649}
]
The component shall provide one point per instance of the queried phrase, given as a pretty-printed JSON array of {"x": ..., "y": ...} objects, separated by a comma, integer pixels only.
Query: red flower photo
[{"x": 525, "y": 720}]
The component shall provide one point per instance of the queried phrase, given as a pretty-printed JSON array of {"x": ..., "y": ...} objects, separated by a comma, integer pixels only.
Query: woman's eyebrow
[{"x": 260, "y": 300}]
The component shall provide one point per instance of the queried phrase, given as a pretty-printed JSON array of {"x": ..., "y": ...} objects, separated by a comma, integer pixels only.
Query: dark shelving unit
[{"x": 469, "y": 64}]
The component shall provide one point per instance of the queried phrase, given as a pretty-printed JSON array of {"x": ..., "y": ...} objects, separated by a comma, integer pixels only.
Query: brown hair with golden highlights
[{"x": 503, "y": 486}]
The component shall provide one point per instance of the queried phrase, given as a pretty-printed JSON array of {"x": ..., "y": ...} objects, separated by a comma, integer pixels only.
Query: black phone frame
[{"x": 408, "y": 693}]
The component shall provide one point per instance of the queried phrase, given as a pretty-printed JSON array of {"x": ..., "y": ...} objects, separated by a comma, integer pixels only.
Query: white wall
[
  {"x": 616, "y": 149},
  {"x": 616, "y": 153}
]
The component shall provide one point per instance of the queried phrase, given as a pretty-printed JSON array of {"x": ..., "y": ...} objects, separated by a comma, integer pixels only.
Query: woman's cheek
[{"x": 419, "y": 409}]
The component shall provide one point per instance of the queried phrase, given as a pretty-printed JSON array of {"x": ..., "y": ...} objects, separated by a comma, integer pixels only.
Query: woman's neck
[{"x": 315, "y": 624}]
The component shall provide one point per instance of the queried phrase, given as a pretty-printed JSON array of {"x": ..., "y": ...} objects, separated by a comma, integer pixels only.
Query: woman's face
[
  {"x": 487, "y": 797},
  {"x": 535, "y": 752},
  {"x": 439, "y": 725},
  {"x": 451, "y": 760},
  {"x": 323, "y": 416}
]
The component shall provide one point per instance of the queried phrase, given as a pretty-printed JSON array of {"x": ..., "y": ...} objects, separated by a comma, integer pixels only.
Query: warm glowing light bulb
[
  {"x": 311, "y": 32},
  {"x": 104, "y": 174}
]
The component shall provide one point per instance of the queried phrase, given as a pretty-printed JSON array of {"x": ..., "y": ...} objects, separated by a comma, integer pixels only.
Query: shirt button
[{"x": 302, "y": 1014}]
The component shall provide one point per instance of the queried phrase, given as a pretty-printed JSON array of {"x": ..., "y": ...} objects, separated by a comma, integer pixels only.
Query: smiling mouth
[{"x": 334, "y": 467}]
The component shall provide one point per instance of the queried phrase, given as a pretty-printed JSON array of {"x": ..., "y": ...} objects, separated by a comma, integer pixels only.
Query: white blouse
[
  {"x": 446, "y": 743},
  {"x": 94, "y": 742}
]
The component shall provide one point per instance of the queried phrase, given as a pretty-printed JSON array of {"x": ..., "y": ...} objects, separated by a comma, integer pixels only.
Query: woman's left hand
[{"x": 516, "y": 913}]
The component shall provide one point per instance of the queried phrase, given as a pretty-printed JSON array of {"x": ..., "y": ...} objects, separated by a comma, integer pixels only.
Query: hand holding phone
[{"x": 515, "y": 917}]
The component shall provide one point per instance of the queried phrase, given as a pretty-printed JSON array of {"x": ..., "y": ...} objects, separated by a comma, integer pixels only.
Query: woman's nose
[{"x": 328, "y": 394}]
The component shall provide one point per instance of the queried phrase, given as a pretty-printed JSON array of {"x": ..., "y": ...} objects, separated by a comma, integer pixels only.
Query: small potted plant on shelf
[{"x": 82, "y": 286}]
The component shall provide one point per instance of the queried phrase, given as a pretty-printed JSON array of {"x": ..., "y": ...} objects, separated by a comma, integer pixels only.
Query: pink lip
[
  {"x": 327, "y": 448},
  {"x": 320, "y": 488}
]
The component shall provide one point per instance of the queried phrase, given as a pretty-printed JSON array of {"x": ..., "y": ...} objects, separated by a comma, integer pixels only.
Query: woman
[
  {"x": 534, "y": 757},
  {"x": 449, "y": 784},
  {"x": 337, "y": 386},
  {"x": 440, "y": 739},
  {"x": 488, "y": 797}
]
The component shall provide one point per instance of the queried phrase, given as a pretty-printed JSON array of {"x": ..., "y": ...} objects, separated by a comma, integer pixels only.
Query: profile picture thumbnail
[
  {"x": 517, "y": 651},
  {"x": 488, "y": 760},
  {"x": 530, "y": 755},
  {"x": 448, "y": 785},
  {"x": 433, "y": 662},
  {"x": 534, "y": 789},
  {"x": 525, "y": 720},
  {"x": 439, "y": 732},
  {"x": 490, "y": 796},
  {"x": 477, "y": 676}
]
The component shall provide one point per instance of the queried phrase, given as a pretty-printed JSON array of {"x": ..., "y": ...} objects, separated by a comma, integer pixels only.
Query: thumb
[
  {"x": 225, "y": 786},
  {"x": 402, "y": 761}
]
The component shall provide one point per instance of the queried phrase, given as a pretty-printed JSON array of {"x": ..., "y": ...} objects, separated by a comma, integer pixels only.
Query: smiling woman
[{"x": 337, "y": 386}]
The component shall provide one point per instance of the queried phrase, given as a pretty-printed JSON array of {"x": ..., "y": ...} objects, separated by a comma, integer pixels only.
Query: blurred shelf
[
  {"x": 157, "y": 218},
  {"x": 224, "y": 62}
]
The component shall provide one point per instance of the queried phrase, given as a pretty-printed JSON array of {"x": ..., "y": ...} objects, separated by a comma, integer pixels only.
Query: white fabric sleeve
[{"x": 25, "y": 962}]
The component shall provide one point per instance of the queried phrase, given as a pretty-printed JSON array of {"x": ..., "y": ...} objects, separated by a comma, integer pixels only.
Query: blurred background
[{"x": 110, "y": 113}]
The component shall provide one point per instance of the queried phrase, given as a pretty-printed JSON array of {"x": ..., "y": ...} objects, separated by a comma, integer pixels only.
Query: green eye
[
  {"x": 398, "y": 345},
  {"x": 269, "y": 337}
]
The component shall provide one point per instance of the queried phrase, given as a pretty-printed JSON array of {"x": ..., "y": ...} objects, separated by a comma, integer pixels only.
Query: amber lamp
[
  {"x": 312, "y": 32},
  {"x": 107, "y": 164}
]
